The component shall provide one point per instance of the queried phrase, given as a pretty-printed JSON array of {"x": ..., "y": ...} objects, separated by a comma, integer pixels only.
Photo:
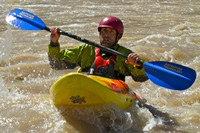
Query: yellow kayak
[{"x": 82, "y": 90}]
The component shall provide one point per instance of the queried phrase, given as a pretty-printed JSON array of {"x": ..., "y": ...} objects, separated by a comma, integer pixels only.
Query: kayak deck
[{"x": 82, "y": 90}]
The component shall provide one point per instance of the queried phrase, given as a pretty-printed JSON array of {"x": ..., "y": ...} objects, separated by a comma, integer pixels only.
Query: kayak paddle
[
  {"x": 167, "y": 119},
  {"x": 166, "y": 74}
]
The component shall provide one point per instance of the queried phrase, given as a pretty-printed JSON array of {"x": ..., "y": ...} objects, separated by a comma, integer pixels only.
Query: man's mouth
[{"x": 106, "y": 40}]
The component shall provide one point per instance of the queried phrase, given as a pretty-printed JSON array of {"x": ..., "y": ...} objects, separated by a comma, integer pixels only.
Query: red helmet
[{"x": 112, "y": 22}]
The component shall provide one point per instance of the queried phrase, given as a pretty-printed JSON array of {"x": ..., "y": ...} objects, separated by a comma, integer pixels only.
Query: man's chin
[{"x": 107, "y": 45}]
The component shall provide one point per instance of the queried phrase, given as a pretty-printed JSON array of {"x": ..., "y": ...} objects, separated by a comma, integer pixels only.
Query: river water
[{"x": 157, "y": 30}]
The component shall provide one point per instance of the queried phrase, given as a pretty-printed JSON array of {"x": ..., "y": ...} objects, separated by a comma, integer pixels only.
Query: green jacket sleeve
[
  {"x": 71, "y": 55},
  {"x": 83, "y": 55},
  {"x": 138, "y": 74}
]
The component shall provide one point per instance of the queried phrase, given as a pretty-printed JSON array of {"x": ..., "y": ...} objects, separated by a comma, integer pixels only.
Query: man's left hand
[{"x": 133, "y": 59}]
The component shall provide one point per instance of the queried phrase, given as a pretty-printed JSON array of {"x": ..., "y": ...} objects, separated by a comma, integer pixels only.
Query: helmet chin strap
[{"x": 116, "y": 40}]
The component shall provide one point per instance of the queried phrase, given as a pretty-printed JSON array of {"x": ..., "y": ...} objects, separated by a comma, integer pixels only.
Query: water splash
[
  {"x": 107, "y": 118},
  {"x": 6, "y": 46},
  {"x": 5, "y": 52}
]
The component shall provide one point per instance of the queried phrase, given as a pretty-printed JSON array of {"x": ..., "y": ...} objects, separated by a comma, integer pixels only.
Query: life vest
[{"x": 103, "y": 67}]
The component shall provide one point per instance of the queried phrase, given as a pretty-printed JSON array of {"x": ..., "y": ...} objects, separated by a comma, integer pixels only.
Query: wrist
[
  {"x": 139, "y": 67},
  {"x": 53, "y": 44}
]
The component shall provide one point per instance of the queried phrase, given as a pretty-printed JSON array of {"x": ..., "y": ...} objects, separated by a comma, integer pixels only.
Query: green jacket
[{"x": 84, "y": 55}]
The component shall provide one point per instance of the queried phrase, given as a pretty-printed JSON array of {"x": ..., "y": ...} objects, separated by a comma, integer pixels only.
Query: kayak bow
[{"x": 76, "y": 89}]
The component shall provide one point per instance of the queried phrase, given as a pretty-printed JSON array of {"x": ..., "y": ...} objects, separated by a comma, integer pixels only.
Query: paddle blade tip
[
  {"x": 23, "y": 19},
  {"x": 170, "y": 75}
]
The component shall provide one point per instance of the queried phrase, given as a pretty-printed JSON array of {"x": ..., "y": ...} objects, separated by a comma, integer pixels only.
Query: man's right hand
[{"x": 54, "y": 35}]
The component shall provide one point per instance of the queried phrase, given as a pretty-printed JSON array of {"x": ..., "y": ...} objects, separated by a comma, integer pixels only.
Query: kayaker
[{"x": 95, "y": 61}]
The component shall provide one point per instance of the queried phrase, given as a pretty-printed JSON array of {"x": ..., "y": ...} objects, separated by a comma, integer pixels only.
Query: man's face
[{"x": 108, "y": 37}]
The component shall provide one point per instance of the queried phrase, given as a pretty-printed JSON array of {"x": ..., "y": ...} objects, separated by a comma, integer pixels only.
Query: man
[{"x": 95, "y": 61}]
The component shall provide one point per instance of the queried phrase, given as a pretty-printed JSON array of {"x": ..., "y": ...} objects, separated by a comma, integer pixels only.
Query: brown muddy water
[{"x": 157, "y": 30}]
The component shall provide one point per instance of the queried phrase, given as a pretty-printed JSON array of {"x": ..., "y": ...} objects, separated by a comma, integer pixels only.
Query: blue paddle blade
[
  {"x": 24, "y": 20},
  {"x": 170, "y": 75}
]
